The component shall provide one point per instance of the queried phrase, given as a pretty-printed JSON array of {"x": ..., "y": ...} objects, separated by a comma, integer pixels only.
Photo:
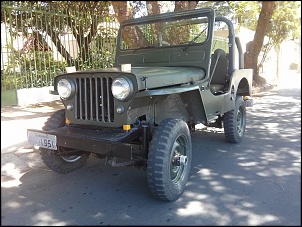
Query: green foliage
[
  {"x": 222, "y": 8},
  {"x": 283, "y": 26},
  {"x": 96, "y": 59},
  {"x": 55, "y": 18},
  {"x": 35, "y": 69},
  {"x": 101, "y": 52},
  {"x": 286, "y": 22},
  {"x": 87, "y": 22},
  {"x": 246, "y": 13}
]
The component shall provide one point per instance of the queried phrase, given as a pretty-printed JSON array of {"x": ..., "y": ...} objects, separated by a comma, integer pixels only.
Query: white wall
[{"x": 28, "y": 96}]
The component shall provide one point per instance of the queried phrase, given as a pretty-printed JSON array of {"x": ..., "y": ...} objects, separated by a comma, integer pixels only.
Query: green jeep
[{"x": 168, "y": 77}]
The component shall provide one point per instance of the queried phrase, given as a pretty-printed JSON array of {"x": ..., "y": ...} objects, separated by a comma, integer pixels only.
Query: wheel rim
[
  {"x": 69, "y": 158},
  {"x": 179, "y": 151},
  {"x": 240, "y": 121}
]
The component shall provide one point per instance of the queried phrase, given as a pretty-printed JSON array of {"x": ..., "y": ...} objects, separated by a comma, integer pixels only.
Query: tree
[
  {"x": 283, "y": 25},
  {"x": 253, "y": 51},
  {"x": 127, "y": 9},
  {"x": 80, "y": 18}
]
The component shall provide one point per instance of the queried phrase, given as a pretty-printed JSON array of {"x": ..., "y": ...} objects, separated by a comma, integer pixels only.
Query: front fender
[
  {"x": 240, "y": 84},
  {"x": 242, "y": 80},
  {"x": 183, "y": 102}
]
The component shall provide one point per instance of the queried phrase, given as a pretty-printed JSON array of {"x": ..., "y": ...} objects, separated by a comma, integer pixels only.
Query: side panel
[
  {"x": 212, "y": 103},
  {"x": 240, "y": 84}
]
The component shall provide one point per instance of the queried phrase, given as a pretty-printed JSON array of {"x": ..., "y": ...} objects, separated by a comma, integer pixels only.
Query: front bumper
[{"x": 111, "y": 142}]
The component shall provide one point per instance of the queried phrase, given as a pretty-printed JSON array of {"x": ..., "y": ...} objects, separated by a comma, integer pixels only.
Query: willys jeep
[{"x": 168, "y": 76}]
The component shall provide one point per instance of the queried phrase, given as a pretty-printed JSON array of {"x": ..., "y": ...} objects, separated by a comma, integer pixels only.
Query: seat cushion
[{"x": 215, "y": 88}]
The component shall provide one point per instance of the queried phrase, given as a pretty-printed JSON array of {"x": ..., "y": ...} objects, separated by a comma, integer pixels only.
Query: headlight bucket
[
  {"x": 66, "y": 88},
  {"x": 122, "y": 88}
]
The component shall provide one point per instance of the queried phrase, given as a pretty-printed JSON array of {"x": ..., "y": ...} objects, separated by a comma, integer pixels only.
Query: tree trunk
[
  {"x": 121, "y": 10},
  {"x": 185, "y": 5},
  {"x": 131, "y": 35},
  {"x": 153, "y": 7},
  {"x": 251, "y": 59},
  {"x": 60, "y": 48}
]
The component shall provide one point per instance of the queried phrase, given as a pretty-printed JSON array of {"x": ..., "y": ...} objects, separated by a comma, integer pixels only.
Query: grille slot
[{"x": 94, "y": 99}]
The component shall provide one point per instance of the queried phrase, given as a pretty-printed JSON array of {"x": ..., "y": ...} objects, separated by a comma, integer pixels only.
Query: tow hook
[{"x": 180, "y": 160}]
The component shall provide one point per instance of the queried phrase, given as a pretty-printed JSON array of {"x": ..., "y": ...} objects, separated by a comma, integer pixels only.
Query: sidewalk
[{"x": 17, "y": 155}]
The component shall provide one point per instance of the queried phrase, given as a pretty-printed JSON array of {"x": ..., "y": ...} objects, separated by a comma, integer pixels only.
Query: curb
[{"x": 263, "y": 88}]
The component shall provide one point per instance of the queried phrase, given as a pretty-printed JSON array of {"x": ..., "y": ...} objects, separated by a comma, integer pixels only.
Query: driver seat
[{"x": 220, "y": 75}]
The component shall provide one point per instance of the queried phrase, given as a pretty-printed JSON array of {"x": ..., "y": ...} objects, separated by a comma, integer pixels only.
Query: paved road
[{"x": 257, "y": 182}]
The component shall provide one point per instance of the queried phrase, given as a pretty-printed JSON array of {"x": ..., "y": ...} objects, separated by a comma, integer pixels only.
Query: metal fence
[{"x": 37, "y": 45}]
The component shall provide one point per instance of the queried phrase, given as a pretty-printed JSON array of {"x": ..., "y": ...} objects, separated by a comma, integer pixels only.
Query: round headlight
[
  {"x": 121, "y": 88},
  {"x": 64, "y": 88}
]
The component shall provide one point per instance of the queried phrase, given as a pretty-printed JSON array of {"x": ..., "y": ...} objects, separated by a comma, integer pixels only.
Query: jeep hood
[{"x": 153, "y": 77}]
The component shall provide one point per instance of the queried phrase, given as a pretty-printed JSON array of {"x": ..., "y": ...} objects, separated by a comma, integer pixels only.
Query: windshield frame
[{"x": 168, "y": 17}]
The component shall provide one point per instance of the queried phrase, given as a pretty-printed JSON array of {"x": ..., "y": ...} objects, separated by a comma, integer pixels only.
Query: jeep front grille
[{"x": 94, "y": 99}]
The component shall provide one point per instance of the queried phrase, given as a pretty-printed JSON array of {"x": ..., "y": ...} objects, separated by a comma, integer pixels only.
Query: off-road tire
[
  {"x": 167, "y": 180},
  {"x": 55, "y": 162},
  {"x": 234, "y": 122}
]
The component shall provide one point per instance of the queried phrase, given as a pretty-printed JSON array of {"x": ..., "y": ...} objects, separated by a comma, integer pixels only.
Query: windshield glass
[{"x": 165, "y": 33}]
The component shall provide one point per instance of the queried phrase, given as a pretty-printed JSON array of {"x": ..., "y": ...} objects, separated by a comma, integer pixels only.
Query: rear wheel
[
  {"x": 169, "y": 159},
  {"x": 52, "y": 159},
  {"x": 234, "y": 122}
]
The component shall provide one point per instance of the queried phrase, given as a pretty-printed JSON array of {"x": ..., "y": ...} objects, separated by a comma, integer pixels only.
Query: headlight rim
[
  {"x": 73, "y": 88},
  {"x": 131, "y": 86}
]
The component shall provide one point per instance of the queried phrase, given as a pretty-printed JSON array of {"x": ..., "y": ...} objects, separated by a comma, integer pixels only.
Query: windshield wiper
[
  {"x": 196, "y": 37},
  {"x": 144, "y": 47}
]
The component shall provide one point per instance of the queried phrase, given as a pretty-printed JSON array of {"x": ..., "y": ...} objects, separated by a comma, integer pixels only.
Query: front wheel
[
  {"x": 169, "y": 159},
  {"x": 234, "y": 122},
  {"x": 52, "y": 159}
]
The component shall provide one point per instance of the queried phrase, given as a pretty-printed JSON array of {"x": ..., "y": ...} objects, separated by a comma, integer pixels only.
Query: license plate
[{"x": 42, "y": 140}]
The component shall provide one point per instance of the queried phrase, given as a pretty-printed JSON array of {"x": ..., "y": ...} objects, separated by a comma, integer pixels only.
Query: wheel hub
[{"x": 180, "y": 160}]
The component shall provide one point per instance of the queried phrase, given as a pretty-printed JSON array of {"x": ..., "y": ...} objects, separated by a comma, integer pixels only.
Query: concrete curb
[
  {"x": 17, "y": 155},
  {"x": 263, "y": 88}
]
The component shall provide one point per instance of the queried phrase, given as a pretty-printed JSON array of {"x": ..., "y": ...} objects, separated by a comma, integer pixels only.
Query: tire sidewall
[
  {"x": 178, "y": 188},
  {"x": 240, "y": 104},
  {"x": 160, "y": 151},
  {"x": 50, "y": 157},
  {"x": 230, "y": 122}
]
